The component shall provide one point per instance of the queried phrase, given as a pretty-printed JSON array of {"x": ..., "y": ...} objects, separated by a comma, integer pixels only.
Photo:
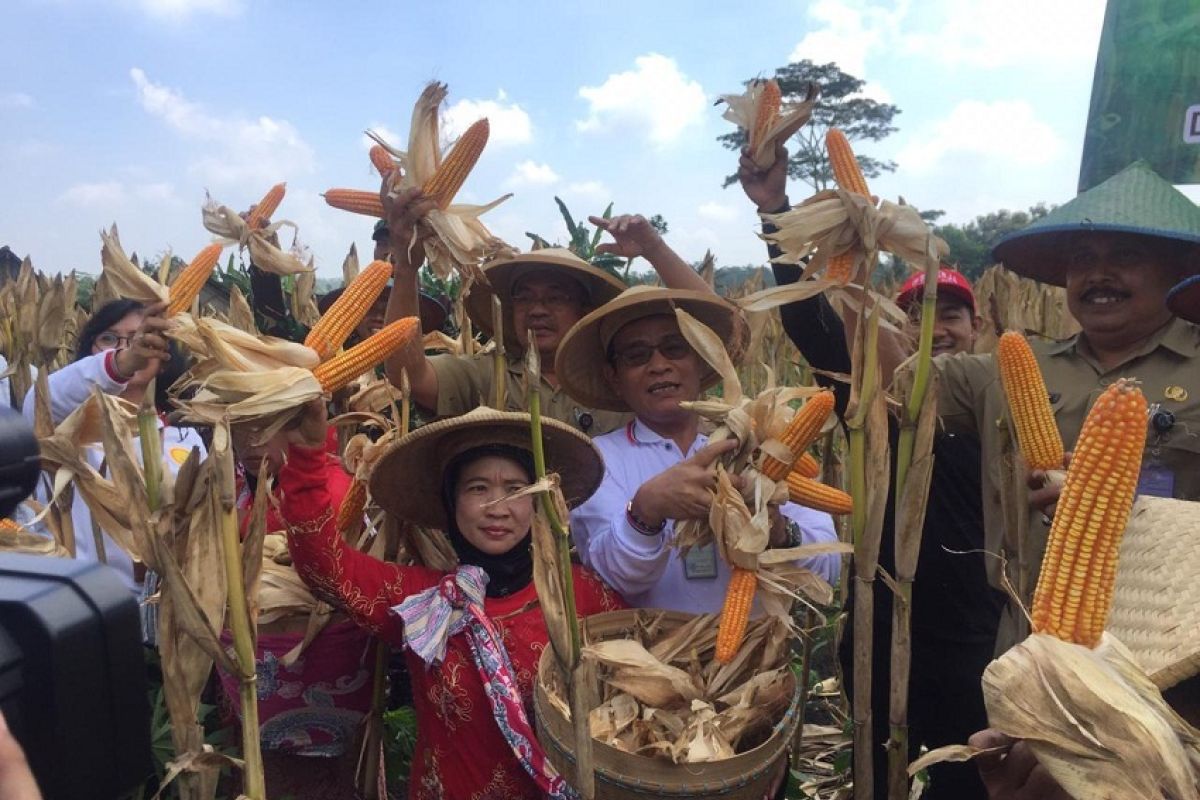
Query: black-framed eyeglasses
[
  {"x": 673, "y": 348},
  {"x": 109, "y": 340}
]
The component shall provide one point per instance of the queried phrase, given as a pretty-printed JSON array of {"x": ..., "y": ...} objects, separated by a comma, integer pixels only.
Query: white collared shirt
[{"x": 645, "y": 570}]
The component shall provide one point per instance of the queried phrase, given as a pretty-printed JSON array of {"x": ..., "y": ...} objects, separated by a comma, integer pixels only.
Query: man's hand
[
  {"x": 148, "y": 345},
  {"x": 404, "y": 210},
  {"x": 685, "y": 491},
  {"x": 311, "y": 427},
  {"x": 1044, "y": 492},
  {"x": 1016, "y": 774},
  {"x": 767, "y": 189},
  {"x": 634, "y": 235}
]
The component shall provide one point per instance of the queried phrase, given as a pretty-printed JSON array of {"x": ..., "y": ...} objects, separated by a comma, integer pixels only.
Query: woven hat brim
[
  {"x": 407, "y": 480},
  {"x": 502, "y": 274},
  {"x": 1156, "y": 602},
  {"x": 582, "y": 352},
  {"x": 1184, "y": 299},
  {"x": 1040, "y": 253}
]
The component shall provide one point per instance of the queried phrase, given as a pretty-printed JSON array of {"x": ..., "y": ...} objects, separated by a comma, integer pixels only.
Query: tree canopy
[
  {"x": 971, "y": 244},
  {"x": 841, "y": 105}
]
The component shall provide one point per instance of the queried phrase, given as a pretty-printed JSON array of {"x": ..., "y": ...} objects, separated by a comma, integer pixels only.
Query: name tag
[
  {"x": 1156, "y": 480},
  {"x": 701, "y": 563}
]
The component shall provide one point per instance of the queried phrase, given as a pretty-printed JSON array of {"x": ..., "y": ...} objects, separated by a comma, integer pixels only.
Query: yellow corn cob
[
  {"x": 337, "y": 372},
  {"x": 350, "y": 512},
  {"x": 191, "y": 279},
  {"x": 382, "y": 160},
  {"x": 1037, "y": 433},
  {"x": 9, "y": 525},
  {"x": 266, "y": 207},
  {"x": 739, "y": 596},
  {"x": 800, "y": 433},
  {"x": 336, "y": 324},
  {"x": 807, "y": 466},
  {"x": 814, "y": 494},
  {"x": 768, "y": 111},
  {"x": 846, "y": 172},
  {"x": 1074, "y": 590},
  {"x": 453, "y": 171},
  {"x": 840, "y": 267},
  {"x": 355, "y": 200}
]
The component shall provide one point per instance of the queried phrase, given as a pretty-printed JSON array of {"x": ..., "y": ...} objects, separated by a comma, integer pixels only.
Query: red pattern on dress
[{"x": 459, "y": 748}]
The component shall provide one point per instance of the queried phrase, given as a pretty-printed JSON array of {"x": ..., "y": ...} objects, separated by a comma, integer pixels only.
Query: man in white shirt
[{"x": 629, "y": 355}]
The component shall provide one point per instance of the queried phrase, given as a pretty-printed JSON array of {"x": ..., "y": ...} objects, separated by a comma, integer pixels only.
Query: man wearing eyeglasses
[
  {"x": 629, "y": 355},
  {"x": 542, "y": 293}
]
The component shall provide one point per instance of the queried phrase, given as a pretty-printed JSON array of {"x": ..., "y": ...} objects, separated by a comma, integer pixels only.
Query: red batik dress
[{"x": 460, "y": 751}]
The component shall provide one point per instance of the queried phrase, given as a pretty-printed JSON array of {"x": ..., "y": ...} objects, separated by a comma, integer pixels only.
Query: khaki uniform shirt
[
  {"x": 465, "y": 382},
  {"x": 971, "y": 400}
]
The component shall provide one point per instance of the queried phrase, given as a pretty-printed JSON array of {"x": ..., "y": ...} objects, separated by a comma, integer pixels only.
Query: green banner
[{"x": 1146, "y": 92}]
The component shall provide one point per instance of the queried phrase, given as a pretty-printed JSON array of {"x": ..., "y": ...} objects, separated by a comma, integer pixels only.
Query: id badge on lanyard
[
  {"x": 701, "y": 563},
  {"x": 1156, "y": 478}
]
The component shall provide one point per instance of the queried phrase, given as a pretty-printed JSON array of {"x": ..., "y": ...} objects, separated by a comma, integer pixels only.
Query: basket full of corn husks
[{"x": 667, "y": 719}]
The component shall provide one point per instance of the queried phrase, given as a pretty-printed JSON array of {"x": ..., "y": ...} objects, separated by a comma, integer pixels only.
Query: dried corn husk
[
  {"x": 460, "y": 241},
  {"x": 232, "y": 348},
  {"x": 241, "y": 316},
  {"x": 743, "y": 111},
  {"x": 1094, "y": 720},
  {"x": 263, "y": 243},
  {"x": 124, "y": 278}
]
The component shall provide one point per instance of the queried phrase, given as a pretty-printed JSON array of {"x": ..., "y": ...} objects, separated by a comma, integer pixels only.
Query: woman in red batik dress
[{"x": 472, "y": 636}]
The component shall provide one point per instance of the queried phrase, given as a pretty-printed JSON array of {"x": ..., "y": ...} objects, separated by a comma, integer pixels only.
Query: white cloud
[
  {"x": 850, "y": 31},
  {"x": 115, "y": 194},
  {"x": 654, "y": 95},
  {"x": 589, "y": 190},
  {"x": 1003, "y": 33},
  {"x": 718, "y": 212},
  {"x": 179, "y": 10},
  {"x": 508, "y": 123},
  {"x": 14, "y": 100},
  {"x": 1006, "y": 130},
  {"x": 237, "y": 150},
  {"x": 531, "y": 173}
]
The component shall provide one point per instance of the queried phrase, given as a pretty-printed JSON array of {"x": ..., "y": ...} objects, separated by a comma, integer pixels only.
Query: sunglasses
[{"x": 673, "y": 348}]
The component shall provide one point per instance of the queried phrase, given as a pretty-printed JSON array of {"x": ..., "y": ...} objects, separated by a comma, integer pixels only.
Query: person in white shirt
[
  {"x": 120, "y": 349},
  {"x": 629, "y": 355}
]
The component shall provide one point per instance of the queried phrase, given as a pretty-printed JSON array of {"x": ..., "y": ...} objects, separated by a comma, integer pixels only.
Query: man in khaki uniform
[
  {"x": 544, "y": 292},
  {"x": 1117, "y": 248}
]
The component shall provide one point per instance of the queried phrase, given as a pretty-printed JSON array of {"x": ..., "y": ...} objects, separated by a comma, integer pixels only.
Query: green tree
[
  {"x": 841, "y": 105},
  {"x": 971, "y": 244}
]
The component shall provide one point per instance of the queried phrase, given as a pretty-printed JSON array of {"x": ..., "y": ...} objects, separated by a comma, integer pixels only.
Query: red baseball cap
[{"x": 950, "y": 281}]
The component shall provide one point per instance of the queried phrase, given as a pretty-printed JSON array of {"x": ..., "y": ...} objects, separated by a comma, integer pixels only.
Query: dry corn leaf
[
  {"x": 124, "y": 278},
  {"x": 712, "y": 349},
  {"x": 241, "y": 316},
  {"x": 232, "y": 348},
  {"x": 640, "y": 674},
  {"x": 1094, "y": 720}
]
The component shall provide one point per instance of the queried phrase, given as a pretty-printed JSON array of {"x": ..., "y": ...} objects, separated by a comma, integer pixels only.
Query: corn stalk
[
  {"x": 254, "y": 783},
  {"x": 914, "y": 462},
  {"x": 499, "y": 367},
  {"x": 868, "y": 471},
  {"x": 556, "y": 589}
]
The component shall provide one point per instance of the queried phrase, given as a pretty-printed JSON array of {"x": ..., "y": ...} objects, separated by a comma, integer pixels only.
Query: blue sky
[{"x": 127, "y": 110}]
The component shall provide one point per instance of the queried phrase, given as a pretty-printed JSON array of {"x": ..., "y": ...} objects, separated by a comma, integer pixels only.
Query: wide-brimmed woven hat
[
  {"x": 1156, "y": 602},
  {"x": 502, "y": 273},
  {"x": 407, "y": 479},
  {"x": 584, "y": 350},
  {"x": 1184, "y": 299},
  {"x": 1135, "y": 200}
]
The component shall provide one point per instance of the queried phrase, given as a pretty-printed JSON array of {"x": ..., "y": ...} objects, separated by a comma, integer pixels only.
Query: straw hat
[
  {"x": 1135, "y": 200},
  {"x": 407, "y": 480},
  {"x": 502, "y": 273},
  {"x": 1156, "y": 602},
  {"x": 1184, "y": 299},
  {"x": 585, "y": 347}
]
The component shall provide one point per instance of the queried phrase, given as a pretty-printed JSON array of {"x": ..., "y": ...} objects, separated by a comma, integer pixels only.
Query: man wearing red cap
[{"x": 955, "y": 614}]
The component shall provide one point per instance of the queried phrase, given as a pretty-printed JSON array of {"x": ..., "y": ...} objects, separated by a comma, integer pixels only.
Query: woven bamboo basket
[{"x": 625, "y": 776}]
